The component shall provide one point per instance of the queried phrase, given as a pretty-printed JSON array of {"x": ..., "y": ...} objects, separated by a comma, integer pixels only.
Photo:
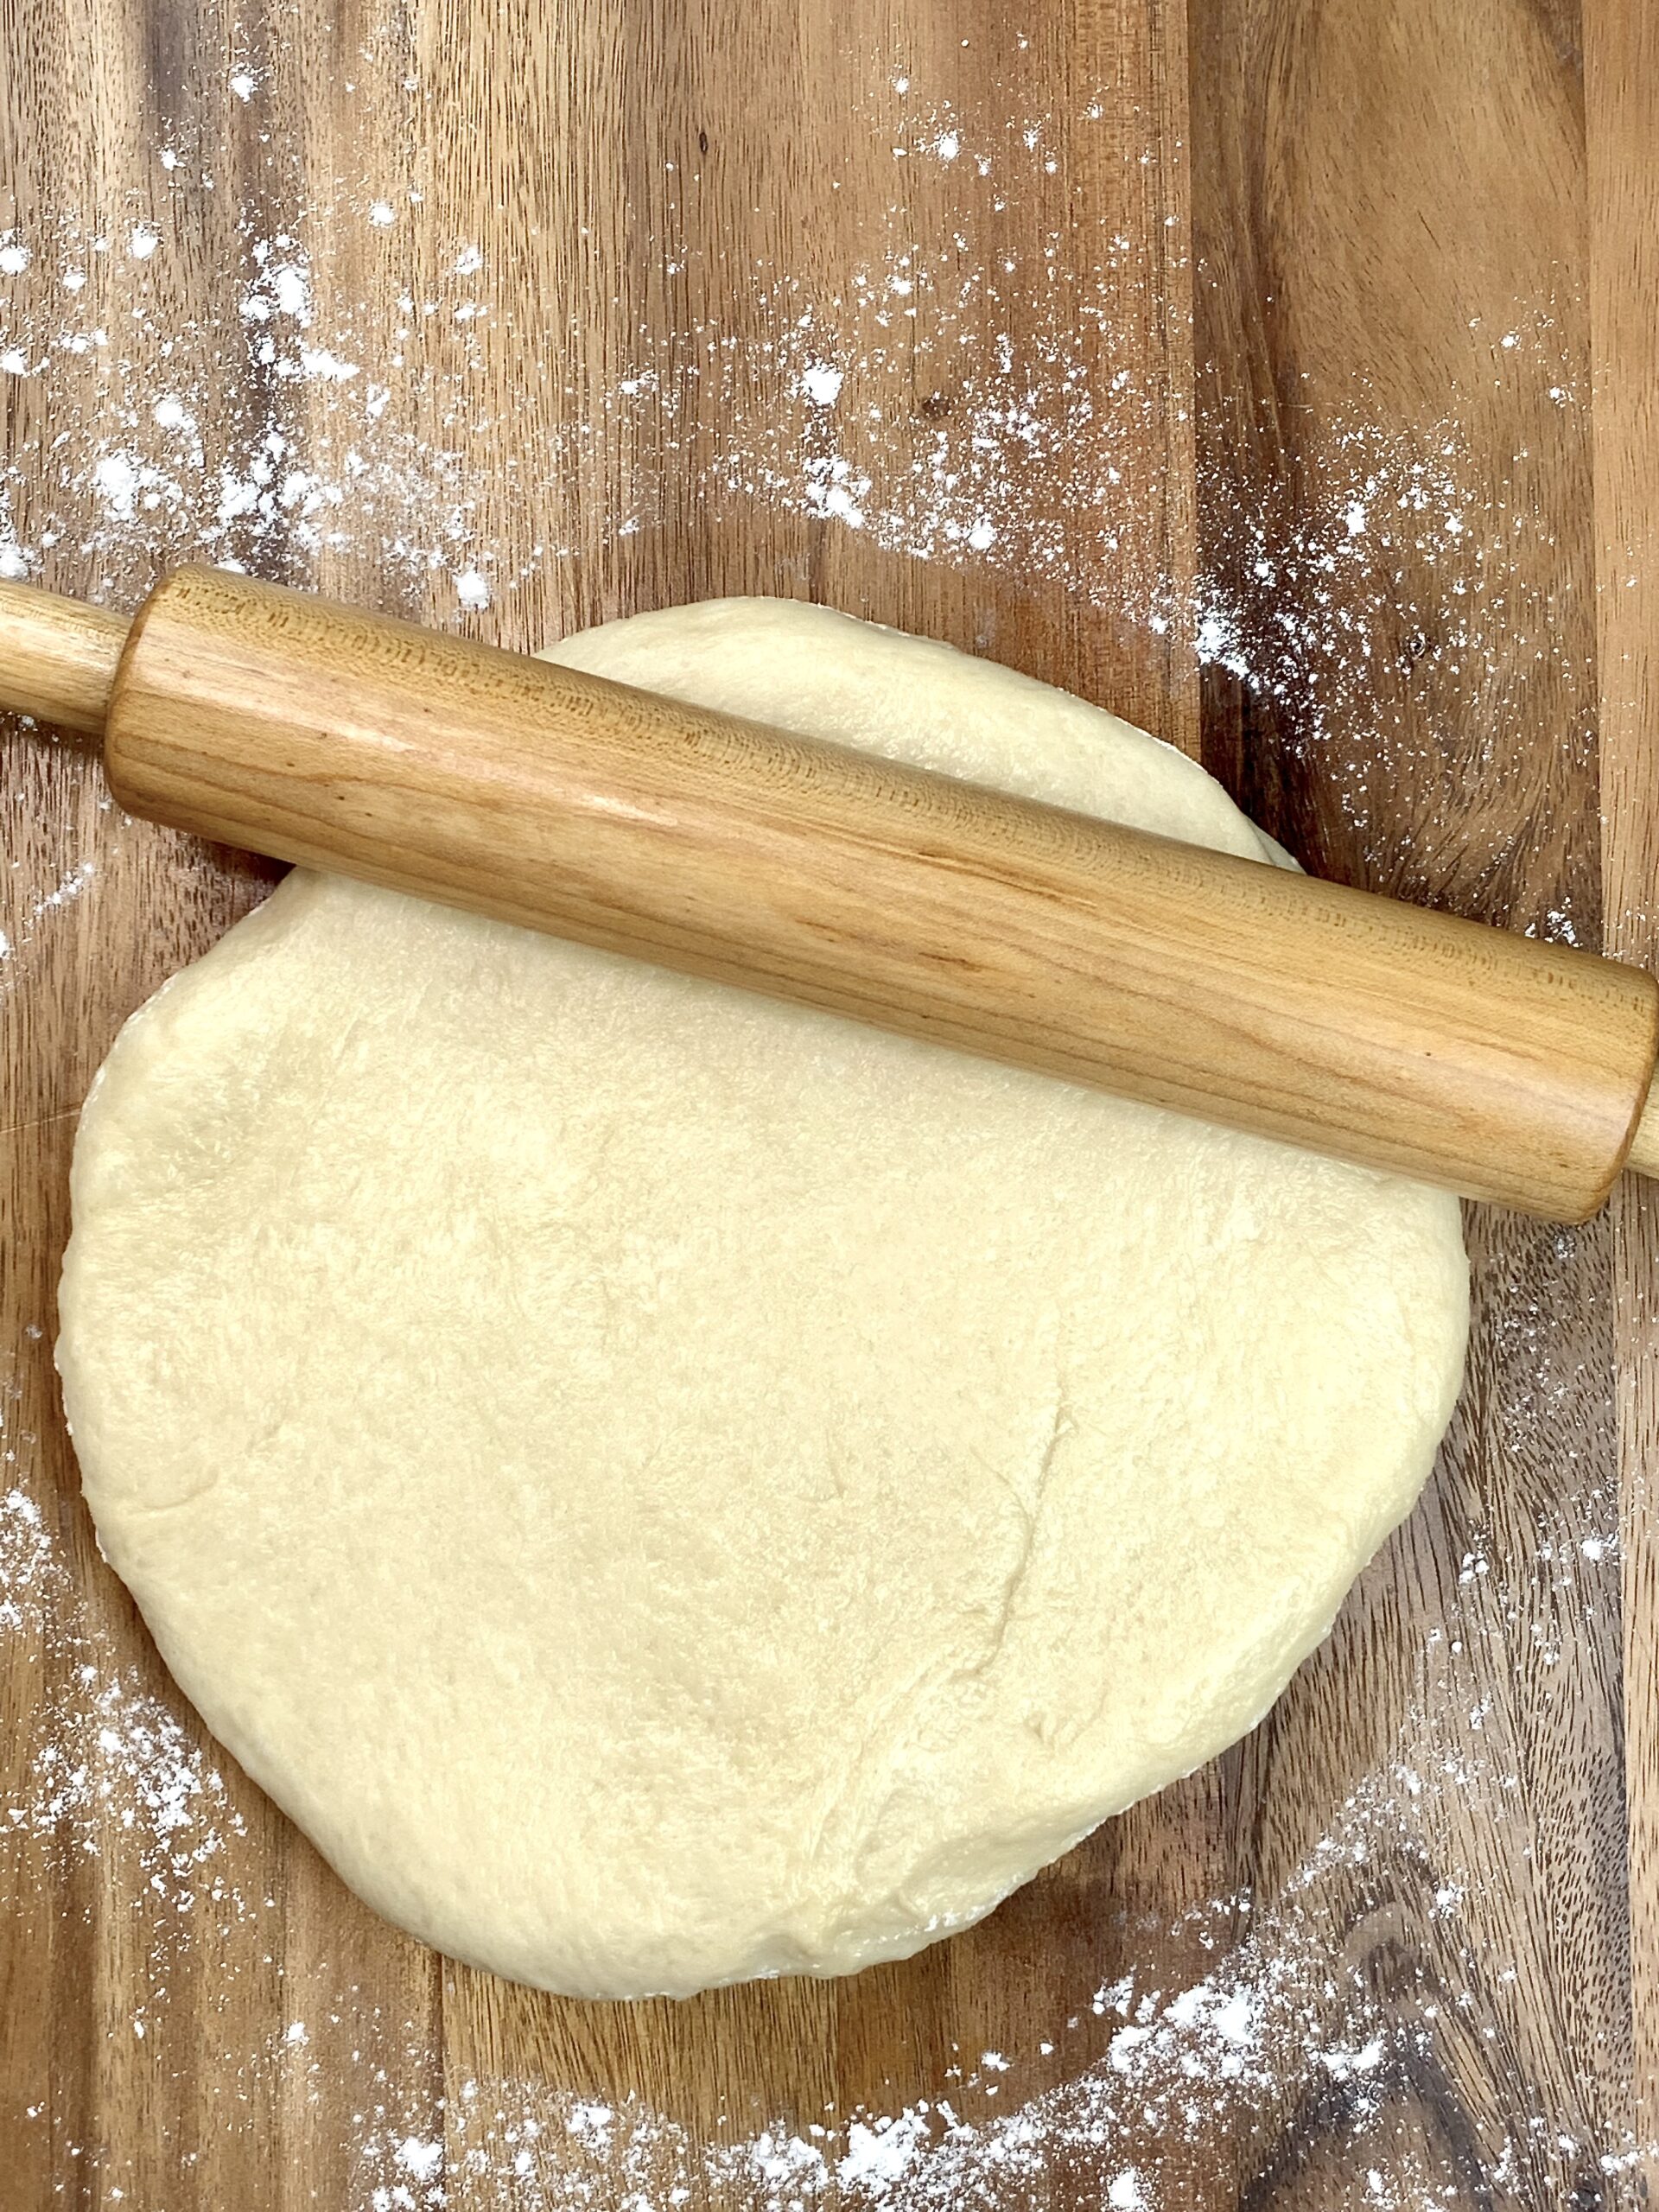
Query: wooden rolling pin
[{"x": 1503, "y": 1068}]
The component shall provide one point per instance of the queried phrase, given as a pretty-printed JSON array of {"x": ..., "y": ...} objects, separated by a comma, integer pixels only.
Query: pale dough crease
[{"x": 665, "y": 1487}]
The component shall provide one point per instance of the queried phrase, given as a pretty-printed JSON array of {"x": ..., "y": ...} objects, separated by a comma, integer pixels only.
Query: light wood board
[{"x": 1281, "y": 375}]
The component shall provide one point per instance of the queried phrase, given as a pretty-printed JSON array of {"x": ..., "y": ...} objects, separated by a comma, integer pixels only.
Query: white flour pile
[{"x": 123, "y": 457}]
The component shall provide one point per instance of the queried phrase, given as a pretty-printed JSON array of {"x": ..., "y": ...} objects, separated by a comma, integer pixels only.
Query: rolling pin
[{"x": 1503, "y": 1068}]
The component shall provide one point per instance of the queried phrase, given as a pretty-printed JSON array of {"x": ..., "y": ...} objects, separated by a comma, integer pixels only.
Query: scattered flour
[
  {"x": 118, "y": 1770},
  {"x": 1186, "y": 2077}
]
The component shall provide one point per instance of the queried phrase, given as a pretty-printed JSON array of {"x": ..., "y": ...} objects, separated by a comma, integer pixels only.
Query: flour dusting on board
[
  {"x": 888, "y": 398},
  {"x": 117, "y": 1769}
]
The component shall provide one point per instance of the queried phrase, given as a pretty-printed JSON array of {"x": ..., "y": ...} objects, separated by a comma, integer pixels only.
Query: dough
[{"x": 665, "y": 1487}]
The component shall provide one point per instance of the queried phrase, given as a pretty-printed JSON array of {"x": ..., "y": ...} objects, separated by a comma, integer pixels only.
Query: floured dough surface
[{"x": 665, "y": 1487}]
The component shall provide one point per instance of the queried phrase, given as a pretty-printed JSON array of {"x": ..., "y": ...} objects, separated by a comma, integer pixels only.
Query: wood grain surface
[{"x": 1280, "y": 374}]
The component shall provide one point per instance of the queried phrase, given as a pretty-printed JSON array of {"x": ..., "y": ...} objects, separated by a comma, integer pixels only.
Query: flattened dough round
[{"x": 665, "y": 1487}]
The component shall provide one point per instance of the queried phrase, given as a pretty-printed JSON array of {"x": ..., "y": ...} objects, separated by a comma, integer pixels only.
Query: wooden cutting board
[{"x": 1281, "y": 375}]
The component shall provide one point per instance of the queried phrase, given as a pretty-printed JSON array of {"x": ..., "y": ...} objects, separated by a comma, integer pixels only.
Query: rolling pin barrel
[{"x": 1223, "y": 987}]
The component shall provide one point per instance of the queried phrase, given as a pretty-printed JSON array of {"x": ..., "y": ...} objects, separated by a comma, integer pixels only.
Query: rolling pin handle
[{"x": 58, "y": 658}]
